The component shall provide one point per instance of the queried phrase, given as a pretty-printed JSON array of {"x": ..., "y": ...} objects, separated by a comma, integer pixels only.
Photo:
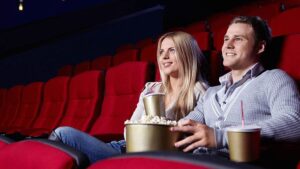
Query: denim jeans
[{"x": 94, "y": 148}]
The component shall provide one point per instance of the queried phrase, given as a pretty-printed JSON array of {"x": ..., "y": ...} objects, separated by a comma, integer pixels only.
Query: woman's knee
[{"x": 59, "y": 133}]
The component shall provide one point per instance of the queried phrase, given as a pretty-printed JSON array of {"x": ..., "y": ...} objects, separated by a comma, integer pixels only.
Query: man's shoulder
[{"x": 275, "y": 74}]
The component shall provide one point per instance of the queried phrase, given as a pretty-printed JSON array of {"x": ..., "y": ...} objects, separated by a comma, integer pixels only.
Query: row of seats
[
  {"x": 91, "y": 101},
  {"x": 283, "y": 48},
  {"x": 209, "y": 35},
  {"x": 119, "y": 95}
]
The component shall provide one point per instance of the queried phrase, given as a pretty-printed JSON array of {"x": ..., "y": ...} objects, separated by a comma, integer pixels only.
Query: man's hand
[{"x": 201, "y": 135}]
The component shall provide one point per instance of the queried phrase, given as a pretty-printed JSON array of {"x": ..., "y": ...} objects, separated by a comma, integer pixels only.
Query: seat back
[
  {"x": 29, "y": 107},
  {"x": 84, "y": 100},
  {"x": 148, "y": 54},
  {"x": 2, "y": 100},
  {"x": 144, "y": 42},
  {"x": 285, "y": 23},
  {"x": 101, "y": 62},
  {"x": 200, "y": 26},
  {"x": 125, "y": 56},
  {"x": 123, "y": 85},
  {"x": 82, "y": 67},
  {"x": 12, "y": 103},
  {"x": 290, "y": 59},
  {"x": 54, "y": 103},
  {"x": 203, "y": 39},
  {"x": 32, "y": 154},
  {"x": 66, "y": 70}
]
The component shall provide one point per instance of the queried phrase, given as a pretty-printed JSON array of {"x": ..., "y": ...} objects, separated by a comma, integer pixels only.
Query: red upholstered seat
[
  {"x": 101, "y": 62},
  {"x": 53, "y": 107},
  {"x": 123, "y": 85},
  {"x": 218, "y": 37},
  {"x": 66, "y": 70},
  {"x": 12, "y": 103},
  {"x": 125, "y": 47},
  {"x": 82, "y": 67},
  {"x": 203, "y": 40},
  {"x": 84, "y": 101},
  {"x": 148, "y": 54},
  {"x": 4, "y": 141},
  {"x": 290, "y": 56},
  {"x": 264, "y": 9},
  {"x": 200, "y": 26},
  {"x": 144, "y": 163},
  {"x": 125, "y": 56},
  {"x": 144, "y": 42},
  {"x": 29, "y": 107},
  {"x": 286, "y": 22},
  {"x": 166, "y": 160},
  {"x": 34, "y": 155},
  {"x": 2, "y": 100}
]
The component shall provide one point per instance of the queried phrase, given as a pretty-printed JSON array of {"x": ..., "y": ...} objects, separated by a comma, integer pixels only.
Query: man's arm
[{"x": 283, "y": 99}]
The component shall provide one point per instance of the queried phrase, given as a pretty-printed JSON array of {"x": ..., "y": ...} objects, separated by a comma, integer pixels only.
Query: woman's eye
[
  {"x": 172, "y": 50},
  {"x": 161, "y": 52}
]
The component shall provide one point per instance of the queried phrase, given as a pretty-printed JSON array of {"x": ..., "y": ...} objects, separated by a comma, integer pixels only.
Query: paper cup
[
  {"x": 244, "y": 143},
  {"x": 154, "y": 104}
]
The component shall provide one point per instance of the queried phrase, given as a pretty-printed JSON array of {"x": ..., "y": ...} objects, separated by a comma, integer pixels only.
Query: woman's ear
[{"x": 261, "y": 47}]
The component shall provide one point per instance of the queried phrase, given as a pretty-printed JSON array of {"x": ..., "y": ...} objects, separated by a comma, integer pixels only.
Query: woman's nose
[{"x": 165, "y": 55}]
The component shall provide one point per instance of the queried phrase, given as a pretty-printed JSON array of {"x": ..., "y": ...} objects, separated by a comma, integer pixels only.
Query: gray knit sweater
[{"x": 270, "y": 100}]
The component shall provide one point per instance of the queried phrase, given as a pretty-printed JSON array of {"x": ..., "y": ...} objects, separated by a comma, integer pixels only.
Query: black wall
[{"x": 41, "y": 61}]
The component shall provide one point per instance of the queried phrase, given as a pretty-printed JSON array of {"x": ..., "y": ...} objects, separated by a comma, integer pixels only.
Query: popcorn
[{"x": 149, "y": 119}]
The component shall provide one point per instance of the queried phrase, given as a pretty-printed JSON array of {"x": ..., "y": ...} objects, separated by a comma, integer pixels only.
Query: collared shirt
[{"x": 230, "y": 90}]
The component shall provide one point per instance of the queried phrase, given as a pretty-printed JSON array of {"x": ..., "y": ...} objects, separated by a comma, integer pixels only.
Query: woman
[{"x": 180, "y": 61}]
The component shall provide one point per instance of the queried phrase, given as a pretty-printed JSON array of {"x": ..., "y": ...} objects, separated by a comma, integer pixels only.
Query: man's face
[{"x": 239, "y": 50}]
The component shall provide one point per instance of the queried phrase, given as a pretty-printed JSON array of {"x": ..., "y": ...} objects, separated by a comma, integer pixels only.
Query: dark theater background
[
  {"x": 83, "y": 56},
  {"x": 49, "y": 34}
]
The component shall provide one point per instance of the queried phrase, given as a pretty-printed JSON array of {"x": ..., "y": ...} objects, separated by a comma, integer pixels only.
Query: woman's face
[{"x": 167, "y": 61}]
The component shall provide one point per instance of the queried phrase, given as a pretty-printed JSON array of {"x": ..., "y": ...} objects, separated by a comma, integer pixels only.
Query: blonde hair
[{"x": 190, "y": 60}]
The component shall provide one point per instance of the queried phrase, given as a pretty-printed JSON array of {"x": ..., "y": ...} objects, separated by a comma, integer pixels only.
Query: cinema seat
[
  {"x": 144, "y": 42},
  {"x": 125, "y": 56},
  {"x": 101, "y": 62},
  {"x": 163, "y": 160},
  {"x": 2, "y": 98},
  {"x": 34, "y": 155},
  {"x": 4, "y": 141},
  {"x": 123, "y": 85},
  {"x": 53, "y": 106},
  {"x": 82, "y": 67},
  {"x": 84, "y": 100},
  {"x": 29, "y": 107},
  {"x": 285, "y": 23},
  {"x": 66, "y": 70},
  {"x": 12, "y": 103}
]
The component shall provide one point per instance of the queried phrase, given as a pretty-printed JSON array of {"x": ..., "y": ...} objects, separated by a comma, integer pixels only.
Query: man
[{"x": 270, "y": 97}]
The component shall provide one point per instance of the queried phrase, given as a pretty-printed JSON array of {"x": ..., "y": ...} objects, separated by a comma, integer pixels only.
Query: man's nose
[{"x": 229, "y": 44}]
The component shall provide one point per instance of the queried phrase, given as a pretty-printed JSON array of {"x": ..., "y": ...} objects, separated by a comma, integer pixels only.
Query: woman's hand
[{"x": 201, "y": 135}]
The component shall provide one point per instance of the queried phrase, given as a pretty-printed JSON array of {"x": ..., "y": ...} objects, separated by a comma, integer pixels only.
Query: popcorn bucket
[{"x": 150, "y": 137}]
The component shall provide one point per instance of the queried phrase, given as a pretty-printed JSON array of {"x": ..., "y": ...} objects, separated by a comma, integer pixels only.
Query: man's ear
[{"x": 261, "y": 47}]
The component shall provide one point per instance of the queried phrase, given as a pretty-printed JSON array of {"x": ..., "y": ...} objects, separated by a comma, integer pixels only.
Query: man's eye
[{"x": 238, "y": 39}]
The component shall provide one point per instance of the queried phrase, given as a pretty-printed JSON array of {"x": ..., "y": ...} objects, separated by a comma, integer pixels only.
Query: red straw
[{"x": 242, "y": 109}]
